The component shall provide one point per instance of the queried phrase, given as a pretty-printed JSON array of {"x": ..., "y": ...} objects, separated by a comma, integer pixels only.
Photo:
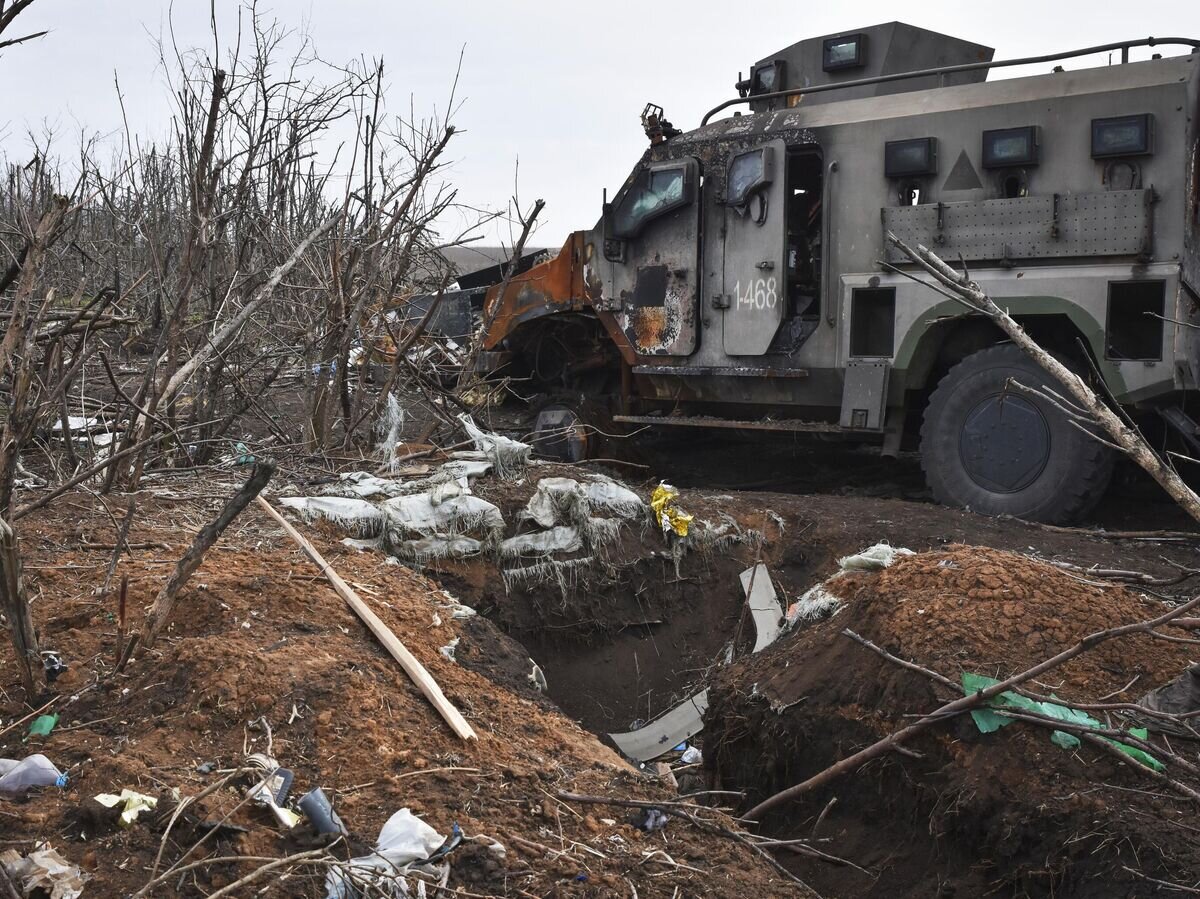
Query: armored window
[
  {"x": 1010, "y": 147},
  {"x": 1129, "y": 135},
  {"x": 907, "y": 158},
  {"x": 749, "y": 173},
  {"x": 873, "y": 321},
  {"x": 1134, "y": 325},
  {"x": 654, "y": 193},
  {"x": 846, "y": 52},
  {"x": 767, "y": 78}
]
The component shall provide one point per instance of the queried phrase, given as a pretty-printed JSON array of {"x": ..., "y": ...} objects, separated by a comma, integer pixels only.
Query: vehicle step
[
  {"x": 704, "y": 421},
  {"x": 694, "y": 371}
]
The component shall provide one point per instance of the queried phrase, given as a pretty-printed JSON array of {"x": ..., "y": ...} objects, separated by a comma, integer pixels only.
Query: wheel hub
[
  {"x": 1005, "y": 443},
  {"x": 560, "y": 434}
]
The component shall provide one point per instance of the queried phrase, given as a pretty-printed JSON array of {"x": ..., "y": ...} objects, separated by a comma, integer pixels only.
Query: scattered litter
[
  {"x": 692, "y": 756},
  {"x": 271, "y": 791},
  {"x": 537, "y": 677},
  {"x": 52, "y": 665},
  {"x": 319, "y": 811},
  {"x": 651, "y": 819},
  {"x": 449, "y": 649},
  {"x": 670, "y": 517},
  {"x": 42, "y": 725},
  {"x": 988, "y": 721},
  {"x": 132, "y": 804},
  {"x": 764, "y": 606},
  {"x": 43, "y": 873},
  {"x": 1180, "y": 697},
  {"x": 32, "y": 771},
  {"x": 873, "y": 558},
  {"x": 816, "y": 603},
  {"x": 405, "y": 843},
  {"x": 508, "y": 457},
  {"x": 653, "y": 739}
]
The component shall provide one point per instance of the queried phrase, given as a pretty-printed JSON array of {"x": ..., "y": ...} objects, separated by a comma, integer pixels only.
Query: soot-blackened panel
[{"x": 651, "y": 286}]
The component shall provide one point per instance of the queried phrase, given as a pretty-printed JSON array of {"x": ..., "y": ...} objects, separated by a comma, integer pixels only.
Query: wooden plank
[{"x": 413, "y": 668}]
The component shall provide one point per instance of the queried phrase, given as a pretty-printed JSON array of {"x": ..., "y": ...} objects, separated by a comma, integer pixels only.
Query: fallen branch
[
  {"x": 678, "y": 810},
  {"x": 412, "y": 667}
]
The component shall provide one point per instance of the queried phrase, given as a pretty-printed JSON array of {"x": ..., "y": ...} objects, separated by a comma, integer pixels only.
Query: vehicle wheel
[
  {"x": 1003, "y": 452},
  {"x": 568, "y": 428}
]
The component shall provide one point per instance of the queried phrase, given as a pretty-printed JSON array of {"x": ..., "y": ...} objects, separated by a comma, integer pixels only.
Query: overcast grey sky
[{"x": 559, "y": 84}]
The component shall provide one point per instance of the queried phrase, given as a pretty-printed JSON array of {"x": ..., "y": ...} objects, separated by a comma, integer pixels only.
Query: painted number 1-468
[{"x": 760, "y": 293}]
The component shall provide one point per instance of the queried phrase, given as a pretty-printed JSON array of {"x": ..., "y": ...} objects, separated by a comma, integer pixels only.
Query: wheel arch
[{"x": 1056, "y": 324}]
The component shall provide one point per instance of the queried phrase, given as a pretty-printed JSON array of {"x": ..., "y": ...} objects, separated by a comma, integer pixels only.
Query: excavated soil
[
  {"x": 1003, "y": 814},
  {"x": 258, "y": 634}
]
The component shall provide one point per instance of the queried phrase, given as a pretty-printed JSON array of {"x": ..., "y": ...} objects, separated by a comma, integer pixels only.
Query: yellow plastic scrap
[
  {"x": 669, "y": 516},
  {"x": 133, "y": 804}
]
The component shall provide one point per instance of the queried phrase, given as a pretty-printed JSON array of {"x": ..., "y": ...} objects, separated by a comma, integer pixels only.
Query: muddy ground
[{"x": 259, "y": 633}]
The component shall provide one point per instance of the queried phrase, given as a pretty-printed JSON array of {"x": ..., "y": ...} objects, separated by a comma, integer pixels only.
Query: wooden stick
[
  {"x": 16, "y": 609},
  {"x": 413, "y": 668}
]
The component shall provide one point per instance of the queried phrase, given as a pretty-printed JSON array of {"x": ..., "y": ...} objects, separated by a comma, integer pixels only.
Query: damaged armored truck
[{"x": 740, "y": 277}]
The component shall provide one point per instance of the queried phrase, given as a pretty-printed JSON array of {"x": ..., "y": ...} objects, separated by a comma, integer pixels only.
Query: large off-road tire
[{"x": 1003, "y": 452}]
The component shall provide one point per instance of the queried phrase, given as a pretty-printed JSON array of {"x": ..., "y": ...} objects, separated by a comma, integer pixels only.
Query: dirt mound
[
  {"x": 1007, "y": 813},
  {"x": 259, "y": 634}
]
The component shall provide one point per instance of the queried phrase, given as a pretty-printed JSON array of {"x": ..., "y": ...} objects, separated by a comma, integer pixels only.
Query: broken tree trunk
[
  {"x": 412, "y": 667},
  {"x": 190, "y": 561},
  {"x": 16, "y": 608}
]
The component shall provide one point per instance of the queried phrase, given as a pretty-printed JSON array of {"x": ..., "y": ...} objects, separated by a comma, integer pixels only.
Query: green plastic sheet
[{"x": 989, "y": 722}]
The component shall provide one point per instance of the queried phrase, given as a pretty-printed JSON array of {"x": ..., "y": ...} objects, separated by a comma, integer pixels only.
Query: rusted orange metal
[
  {"x": 561, "y": 284},
  {"x": 552, "y": 286}
]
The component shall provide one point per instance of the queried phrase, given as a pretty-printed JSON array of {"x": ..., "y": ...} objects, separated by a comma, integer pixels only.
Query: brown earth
[
  {"x": 1003, "y": 814},
  {"x": 258, "y": 633},
  {"x": 624, "y": 643}
]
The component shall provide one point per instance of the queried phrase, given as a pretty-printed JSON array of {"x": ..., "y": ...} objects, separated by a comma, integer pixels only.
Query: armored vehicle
[{"x": 741, "y": 277}]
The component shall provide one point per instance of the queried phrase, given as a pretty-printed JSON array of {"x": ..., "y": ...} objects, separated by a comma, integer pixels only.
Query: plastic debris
[
  {"x": 33, "y": 771},
  {"x": 43, "y": 872},
  {"x": 508, "y": 457},
  {"x": 988, "y": 721},
  {"x": 537, "y": 677},
  {"x": 52, "y": 665},
  {"x": 1180, "y": 697},
  {"x": 692, "y": 756},
  {"x": 405, "y": 842},
  {"x": 132, "y": 804},
  {"x": 873, "y": 558},
  {"x": 449, "y": 649},
  {"x": 670, "y": 517},
  {"x": 816, "y": 603},
  {"x": 388, "y": 428},
  {"x": 271, "y": 791},
  {"x": 319, "y": 811},
  {"x": 652, "y": 819},
  {"x": 42, "y": 725},
  {"x": 763, "y": 604},
  {"x": 652, "y": 740}
]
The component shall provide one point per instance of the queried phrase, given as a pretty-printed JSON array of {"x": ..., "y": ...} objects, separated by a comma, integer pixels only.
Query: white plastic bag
[{"x": 34, "y": 771}]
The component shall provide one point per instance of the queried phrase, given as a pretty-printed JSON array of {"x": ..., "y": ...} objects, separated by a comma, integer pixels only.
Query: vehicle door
[
  {"x": 652, "y": 235},
  {"x": 752, "y": 300}
]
